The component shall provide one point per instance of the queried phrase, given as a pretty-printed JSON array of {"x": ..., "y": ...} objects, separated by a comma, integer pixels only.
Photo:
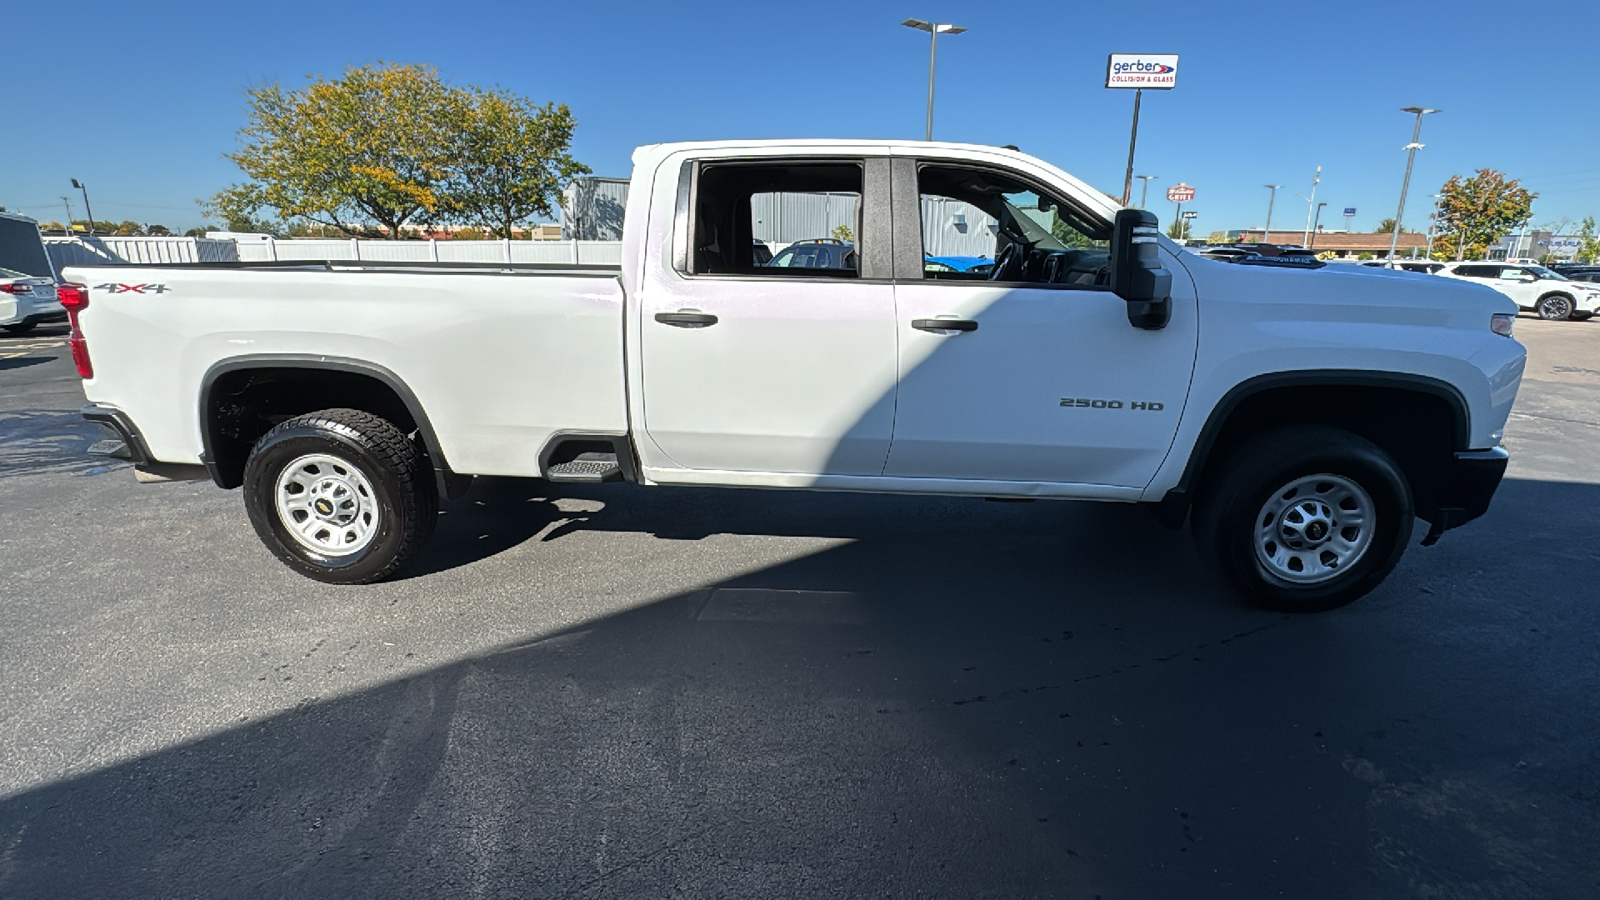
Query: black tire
[
  {"x": 1252, "y": 477},
  {"x": 1554, "y": 307},
  {"x": 403, "y": 502},
  {"x": 21, "y": 328}
]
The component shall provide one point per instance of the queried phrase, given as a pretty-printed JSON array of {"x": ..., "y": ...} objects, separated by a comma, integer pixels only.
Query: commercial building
[{"x": 1344, "y": 244}]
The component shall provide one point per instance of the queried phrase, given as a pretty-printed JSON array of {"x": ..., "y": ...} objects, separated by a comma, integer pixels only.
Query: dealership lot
[{"x": 610, "y": 691}]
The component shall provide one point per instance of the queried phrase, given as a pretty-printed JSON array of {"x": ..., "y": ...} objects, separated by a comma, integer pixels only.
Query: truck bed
[{"x": 471, "y": 341}]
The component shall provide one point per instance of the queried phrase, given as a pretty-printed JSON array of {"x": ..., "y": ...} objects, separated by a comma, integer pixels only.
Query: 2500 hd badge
[{"x": 1086, "y": 403}]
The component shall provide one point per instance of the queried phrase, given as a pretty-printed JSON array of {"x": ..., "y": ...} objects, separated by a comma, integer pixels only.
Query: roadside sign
[
  {"x": 1190, "y": 214},
  {"x": 1180, "y": 193},
  {"x": 1349, "y": 210},
  {"x": 1152, "y": 71}
]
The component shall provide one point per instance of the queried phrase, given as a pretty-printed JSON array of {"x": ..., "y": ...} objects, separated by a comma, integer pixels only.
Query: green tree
[
  {"x": 1478, "y": 211},
  {"x": 129, "y": 228},
  {"x": 509, "y": 160},
  {"x": 1588, "y": 243},
  {"x": 158, "y": 231},
  {"x": 1386, "y": 226},
  {"x": 373, "y": 144},
  {"x": 198, "y": 231},
  {"x": 1179, "y": 230}
]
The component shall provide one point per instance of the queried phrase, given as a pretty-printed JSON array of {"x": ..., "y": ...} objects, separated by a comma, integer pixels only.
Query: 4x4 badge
[{"x": 132, "y": 288}]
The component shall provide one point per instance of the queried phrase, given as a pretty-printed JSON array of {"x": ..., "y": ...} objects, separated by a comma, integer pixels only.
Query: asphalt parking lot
[{"x": 586, "y": 692}]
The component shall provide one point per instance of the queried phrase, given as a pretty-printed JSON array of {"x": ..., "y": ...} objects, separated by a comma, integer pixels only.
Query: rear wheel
[
  {"x": 20, "y": 328},
  {"x": 1554, "y": 307},
  {"x": 1306, "y": 519},
  {"x": 340, "y": 495}
]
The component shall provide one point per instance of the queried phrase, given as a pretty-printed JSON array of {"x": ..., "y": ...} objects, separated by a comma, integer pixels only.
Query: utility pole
[{"x": 1411, "y": 157}]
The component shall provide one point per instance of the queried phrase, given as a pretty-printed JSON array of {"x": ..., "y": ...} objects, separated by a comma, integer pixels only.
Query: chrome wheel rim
[
  {"x": 327, "y": 505},
  {"x": 1314, "y": 528},
  {"x": 1554, "y": 308}
]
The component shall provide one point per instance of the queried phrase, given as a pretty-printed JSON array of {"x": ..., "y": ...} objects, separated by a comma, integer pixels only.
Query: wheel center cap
[
  {"x": 323, "y": 507},
  {"x": 1307, "y": 525}
]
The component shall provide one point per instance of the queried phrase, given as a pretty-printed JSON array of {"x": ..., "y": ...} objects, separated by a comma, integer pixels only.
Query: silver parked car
[{"x": 27, "y": 301}]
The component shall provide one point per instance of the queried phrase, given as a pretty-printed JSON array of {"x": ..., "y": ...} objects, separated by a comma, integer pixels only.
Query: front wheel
[
  {"x": 1554, "y": 307},
  {"x": 1307, "y": 518},
  {"x": 340, "y": 495}
]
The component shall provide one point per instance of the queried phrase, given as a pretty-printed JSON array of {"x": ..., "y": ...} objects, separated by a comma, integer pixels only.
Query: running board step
[{"x": 587, "y": 468}]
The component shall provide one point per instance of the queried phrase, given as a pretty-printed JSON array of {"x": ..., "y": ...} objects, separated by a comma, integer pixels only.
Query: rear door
[
  {"x": 773, "y": 369},
  {"x": 1040, "y": 377}
]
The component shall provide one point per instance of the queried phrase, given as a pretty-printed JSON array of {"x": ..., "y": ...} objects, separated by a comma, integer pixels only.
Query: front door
[
  {"x": 774, "y": 369},
  {"x": 1050, "y": 383}
]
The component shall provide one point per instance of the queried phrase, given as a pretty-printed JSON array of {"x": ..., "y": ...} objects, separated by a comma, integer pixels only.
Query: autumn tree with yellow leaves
[{"x": 394, "y": 145}]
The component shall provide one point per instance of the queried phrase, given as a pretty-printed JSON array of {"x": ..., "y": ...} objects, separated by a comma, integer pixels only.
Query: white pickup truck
[{"x": 1302, "y": 416}]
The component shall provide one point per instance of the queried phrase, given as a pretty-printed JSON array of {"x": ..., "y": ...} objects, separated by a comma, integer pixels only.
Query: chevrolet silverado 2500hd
[{"x": 1300, "y": 416}]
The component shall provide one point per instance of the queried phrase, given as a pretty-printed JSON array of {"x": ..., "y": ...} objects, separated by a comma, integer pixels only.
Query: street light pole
[
  {"x": 68, "y": 204},
  {"x": 1311, "y": 203},
  {"x": 1267, "y": 231},
  {"x": 1314, "y": 225},
  {"x": 82, "y": 187},
  {"x": 1411, "y": 157},
  {"x": 934, "y": 29},
  {"x": 1145, "y": 191}
]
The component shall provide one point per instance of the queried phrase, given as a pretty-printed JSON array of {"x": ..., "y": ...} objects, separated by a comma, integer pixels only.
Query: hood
[{"x": 1358, "y": 292}]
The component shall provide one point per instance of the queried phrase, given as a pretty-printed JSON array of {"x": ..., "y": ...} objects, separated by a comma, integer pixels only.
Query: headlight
[{"x": 1501, "y": 323}]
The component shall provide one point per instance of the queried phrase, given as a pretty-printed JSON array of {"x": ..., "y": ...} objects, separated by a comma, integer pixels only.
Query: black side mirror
[{"x": 1136, "y": 272}]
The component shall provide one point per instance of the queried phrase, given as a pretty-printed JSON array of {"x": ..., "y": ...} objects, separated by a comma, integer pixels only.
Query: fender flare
[{"x": 450, "y": 485}]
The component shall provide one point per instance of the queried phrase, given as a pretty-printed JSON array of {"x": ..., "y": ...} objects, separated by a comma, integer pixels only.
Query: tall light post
[
  {"x": 1314, "y": 225},
  {"x": 80, "y": 186},
  {"x": 934, "y": 29},
  {"x": 1145, "y": 191},
  {"x": 1267, "y": 231},
  {"x": 1411, "y": 157},
  {"x": 68, "y": 204},
  {"x": 1311, "y": 204}
]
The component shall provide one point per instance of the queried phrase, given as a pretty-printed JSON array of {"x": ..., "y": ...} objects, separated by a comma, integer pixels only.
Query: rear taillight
[
  {"x": 75, "y": 297},
  {"x": 16, "y": 288}
]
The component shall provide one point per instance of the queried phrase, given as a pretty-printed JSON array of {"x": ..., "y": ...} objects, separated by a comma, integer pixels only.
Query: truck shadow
[{"x": 985, "y": 710}]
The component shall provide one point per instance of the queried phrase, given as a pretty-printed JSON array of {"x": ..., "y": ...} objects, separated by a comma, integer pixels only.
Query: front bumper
[{"x": 1468, "y": 487}]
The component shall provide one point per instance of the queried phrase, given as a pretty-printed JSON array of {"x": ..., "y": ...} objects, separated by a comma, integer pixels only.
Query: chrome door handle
[{"x": 944, "y": 324}]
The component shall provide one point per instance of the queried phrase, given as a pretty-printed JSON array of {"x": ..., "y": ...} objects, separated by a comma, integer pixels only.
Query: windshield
[{"x": 1542, "y": 272}]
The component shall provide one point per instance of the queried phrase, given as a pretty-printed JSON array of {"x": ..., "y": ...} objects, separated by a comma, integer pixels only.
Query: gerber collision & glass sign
[{"x": 1155, "y": 71}]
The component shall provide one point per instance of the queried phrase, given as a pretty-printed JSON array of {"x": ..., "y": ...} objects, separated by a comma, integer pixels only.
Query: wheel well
[
  {"x": 240, "y": 405},
  {"x": 1420, "y": 429}
]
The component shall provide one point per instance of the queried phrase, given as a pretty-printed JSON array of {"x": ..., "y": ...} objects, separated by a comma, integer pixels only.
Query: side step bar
[{"x": 587, "y": 468}]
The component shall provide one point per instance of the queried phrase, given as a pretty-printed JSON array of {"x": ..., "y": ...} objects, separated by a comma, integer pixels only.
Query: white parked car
[
  {"x": 1534, "y": 288},
  {"x": 26, "y": 301}
]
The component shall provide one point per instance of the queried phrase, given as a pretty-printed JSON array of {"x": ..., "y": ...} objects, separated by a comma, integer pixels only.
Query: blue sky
[{"x": 141, "y": 101}]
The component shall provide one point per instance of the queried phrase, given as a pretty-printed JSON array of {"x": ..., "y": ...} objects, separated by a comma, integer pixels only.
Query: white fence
[
  {"x": 589, "y": 253},
  {"x": 119, "y": 251},
  {"x": 116, "y": 251}
]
